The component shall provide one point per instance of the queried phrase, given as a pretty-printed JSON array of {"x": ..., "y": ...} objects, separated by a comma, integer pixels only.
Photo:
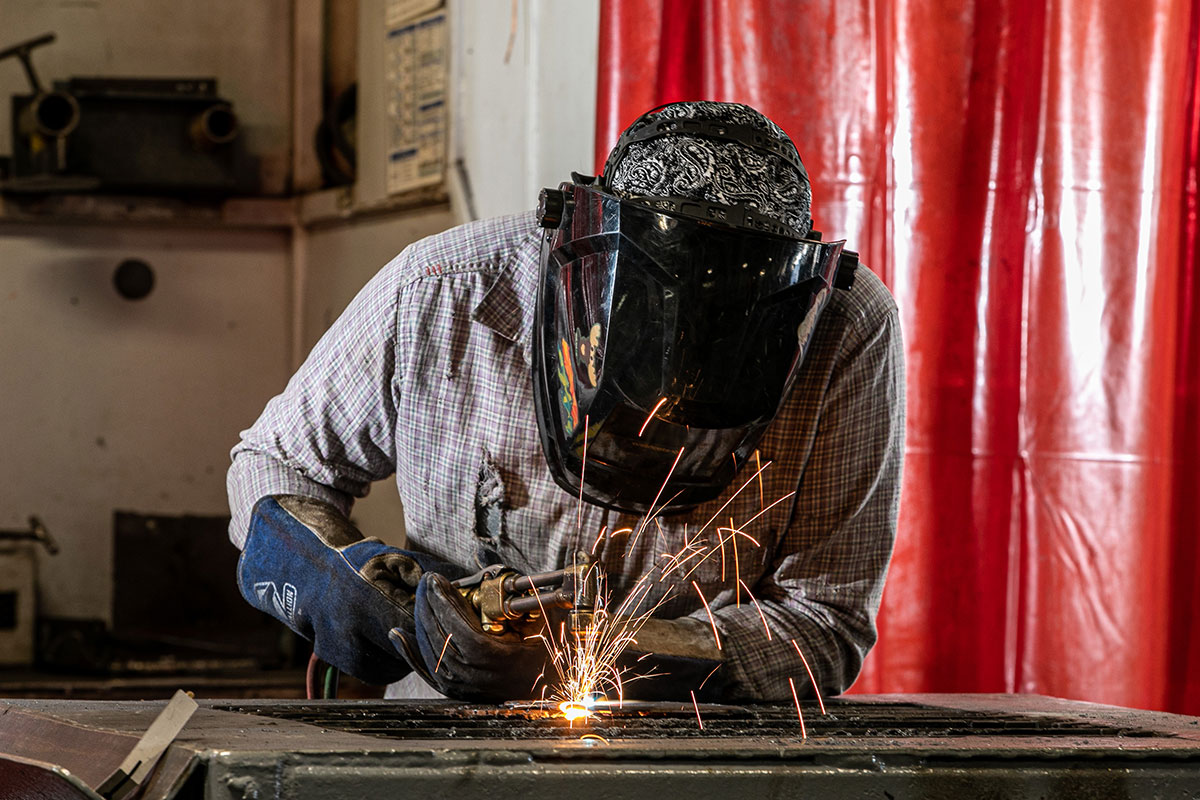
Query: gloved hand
[
  {"x": 670, "y": 659},
  {"x": 459, "y": 658},
  {"x": 308, "y": 567}
]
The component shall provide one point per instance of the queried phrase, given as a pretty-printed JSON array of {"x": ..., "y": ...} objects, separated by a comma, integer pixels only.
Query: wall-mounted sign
[{"x": 416, "y": 102}]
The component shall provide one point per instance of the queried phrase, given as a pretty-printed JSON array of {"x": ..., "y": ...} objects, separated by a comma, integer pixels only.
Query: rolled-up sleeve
[
  {"x": 822, "y": 593},
  {"x": 330, "y": 433}
]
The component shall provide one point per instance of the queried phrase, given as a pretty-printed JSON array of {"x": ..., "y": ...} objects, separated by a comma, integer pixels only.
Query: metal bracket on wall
[{"x": 37, "y": 532}]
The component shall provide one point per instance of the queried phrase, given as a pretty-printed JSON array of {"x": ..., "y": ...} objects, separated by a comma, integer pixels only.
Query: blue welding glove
[
  {"x": 462, "y": 660},
  {"x": 308, "y": 567},
  {"x": 671, "y": 658}
]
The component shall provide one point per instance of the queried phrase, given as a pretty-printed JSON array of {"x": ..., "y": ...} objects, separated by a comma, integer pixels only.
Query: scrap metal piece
[
  {"x": 24, "y": 778},
  {"x": 141, "y": 759}
]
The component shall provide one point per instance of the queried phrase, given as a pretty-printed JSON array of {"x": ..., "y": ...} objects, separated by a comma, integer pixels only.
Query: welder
[{"x": 670, "y": 338}]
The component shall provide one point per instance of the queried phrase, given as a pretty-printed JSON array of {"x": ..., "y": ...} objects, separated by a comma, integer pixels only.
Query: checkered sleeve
[
  {"x": 822, "y": 593},
  {"x": 329, "y": 434}
]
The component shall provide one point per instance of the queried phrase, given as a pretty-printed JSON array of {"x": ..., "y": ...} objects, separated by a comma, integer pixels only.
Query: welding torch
[{"x": 503, "y": 596}]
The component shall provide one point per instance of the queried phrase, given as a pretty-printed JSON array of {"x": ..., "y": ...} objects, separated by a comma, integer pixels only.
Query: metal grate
[{"x": 845, "y": 719}]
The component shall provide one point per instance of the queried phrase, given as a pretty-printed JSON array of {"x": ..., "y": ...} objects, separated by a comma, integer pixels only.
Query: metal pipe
[
  {"x": 52, "y": 114},
  {"x": 214, "y": 126},
  {"x": 518, "y": 606},
  {"x": 22, "y": 51}
]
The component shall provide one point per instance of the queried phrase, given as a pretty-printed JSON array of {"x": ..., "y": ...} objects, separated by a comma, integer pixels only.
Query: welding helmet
[{"x": 672, "y": 319}]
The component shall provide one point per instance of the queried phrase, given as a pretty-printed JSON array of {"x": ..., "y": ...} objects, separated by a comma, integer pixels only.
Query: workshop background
[{"x": 1022, "y": 174}]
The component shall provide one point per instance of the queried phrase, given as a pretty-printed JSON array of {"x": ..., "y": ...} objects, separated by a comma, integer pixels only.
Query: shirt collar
[{"x": 509, "y": 305}]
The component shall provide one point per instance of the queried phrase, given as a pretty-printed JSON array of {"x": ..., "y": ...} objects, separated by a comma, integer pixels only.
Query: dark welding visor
[{"x": 668, "y": 331}]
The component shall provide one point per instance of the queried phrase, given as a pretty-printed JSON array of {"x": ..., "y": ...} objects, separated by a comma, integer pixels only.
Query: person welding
[{"x": 670, "y": 339}]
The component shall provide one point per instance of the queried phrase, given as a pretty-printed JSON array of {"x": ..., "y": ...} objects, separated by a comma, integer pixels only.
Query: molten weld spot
[
  {"x": 574, "y": 710},
  {"x": 581, "y": 707}
]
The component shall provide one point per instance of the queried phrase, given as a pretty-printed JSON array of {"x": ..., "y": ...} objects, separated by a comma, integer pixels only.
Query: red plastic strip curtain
[{"x": 1023, "y": 175}]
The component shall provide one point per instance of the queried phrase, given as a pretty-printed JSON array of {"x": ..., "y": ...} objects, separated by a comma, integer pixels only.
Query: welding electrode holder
[{"x": 502, "y": 595}]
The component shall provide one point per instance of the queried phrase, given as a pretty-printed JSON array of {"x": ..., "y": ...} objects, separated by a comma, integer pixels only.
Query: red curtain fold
[{"x": 1023, "y": 175}]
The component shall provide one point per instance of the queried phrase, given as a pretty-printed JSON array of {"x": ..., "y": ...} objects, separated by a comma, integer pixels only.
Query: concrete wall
[
  {"x": 115, "y": 404},
  {"x": 110, "y": 404}
]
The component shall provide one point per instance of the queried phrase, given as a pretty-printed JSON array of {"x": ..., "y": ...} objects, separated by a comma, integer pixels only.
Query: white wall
[
  {"x": 522, "y": 93},
  {"x": 115, "y": 404},
  {"x": 525, "y": 123}
]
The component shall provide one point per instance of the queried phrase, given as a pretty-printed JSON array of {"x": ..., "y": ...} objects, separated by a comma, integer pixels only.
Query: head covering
[{"x": 690, "y": 161}]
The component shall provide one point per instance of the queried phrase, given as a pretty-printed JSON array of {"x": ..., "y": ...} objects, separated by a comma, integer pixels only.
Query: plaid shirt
[{"x": 426, "y": 374}]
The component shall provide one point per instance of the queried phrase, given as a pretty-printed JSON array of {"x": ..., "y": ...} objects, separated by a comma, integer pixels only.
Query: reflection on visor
[
  {"x": 591, "y": 351},
  {"x": 566, "y": 390}
]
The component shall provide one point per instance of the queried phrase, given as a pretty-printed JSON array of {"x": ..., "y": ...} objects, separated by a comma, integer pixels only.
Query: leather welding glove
[
  {"x": 462, "y": 660},
  {"x": 308, "y": 567},
  {"x": 671, "y": 658}
]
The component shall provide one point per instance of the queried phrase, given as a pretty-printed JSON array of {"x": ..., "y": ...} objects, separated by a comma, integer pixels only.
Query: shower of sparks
[
  {"x": 586, "y": 675},
  {"x": 721, "y": 544},
  {"x": 761, "y": 615},
  {"x": 758, "y": 464},
  {"x": 799, "y": 713},
  {"x": 445, "y": 644},
  {"x": 599, "y": 539},
  {"x": 706, "y": 677},
  {"x": 712, "y": 620},
  {"x": 737, "y": 567},
  {"x": 650, "y": 416},
  {"x": 733, "y": 496},
  {"x": 652, "y": 514},
  {"x": 804, "y": 661},
  {"x": 709, "y": 552},
  {"x": 585, "y": 661}
]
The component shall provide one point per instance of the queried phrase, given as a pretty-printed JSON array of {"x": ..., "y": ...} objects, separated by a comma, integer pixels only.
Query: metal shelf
[
  {"x": 96, "y": 209},
  {"x": 310, "y": 210},
  {"x": 335, "y": 206}
]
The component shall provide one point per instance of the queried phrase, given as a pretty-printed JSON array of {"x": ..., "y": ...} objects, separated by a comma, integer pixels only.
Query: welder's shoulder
[
  {"x": 485, "y": 245},
  {"x": 866, "y": 307}
]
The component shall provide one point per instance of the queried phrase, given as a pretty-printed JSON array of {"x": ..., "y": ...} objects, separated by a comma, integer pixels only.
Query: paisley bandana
[{"x": 729, "y": 173}]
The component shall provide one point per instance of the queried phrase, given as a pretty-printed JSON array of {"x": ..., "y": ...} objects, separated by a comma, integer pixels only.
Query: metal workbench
[{"x": 884, "y": 746}]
